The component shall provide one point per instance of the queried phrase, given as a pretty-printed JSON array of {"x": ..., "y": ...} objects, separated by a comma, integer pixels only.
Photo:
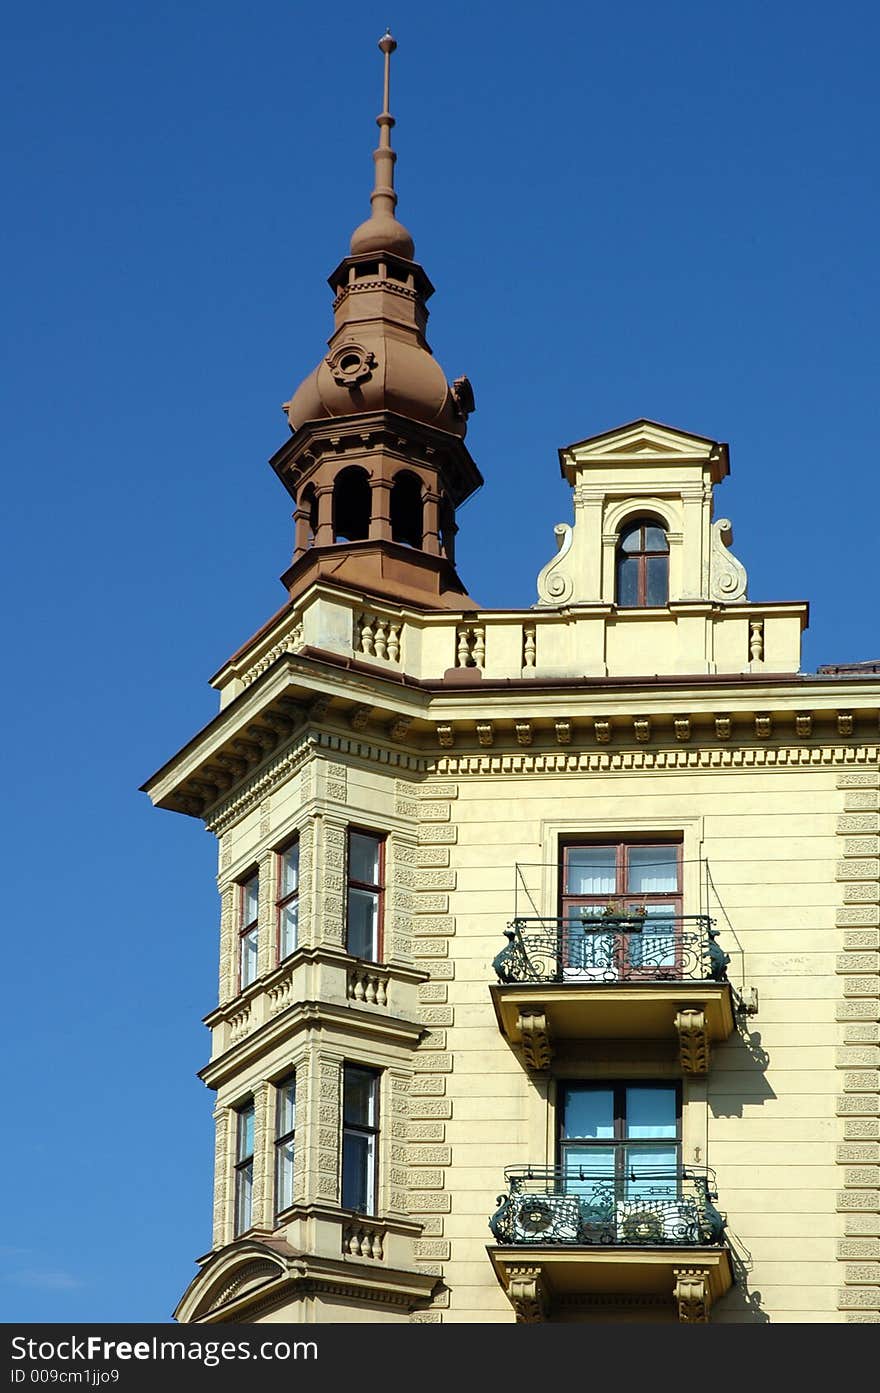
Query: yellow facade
[
  {"x": 608, "y": 863},
  {"x": 771, "y": 784}
]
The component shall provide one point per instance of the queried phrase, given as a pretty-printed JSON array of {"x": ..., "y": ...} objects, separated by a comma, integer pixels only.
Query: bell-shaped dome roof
[{"x": 379, "y": 359}]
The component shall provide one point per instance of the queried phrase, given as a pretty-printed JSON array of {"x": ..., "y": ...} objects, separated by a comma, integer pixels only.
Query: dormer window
[{"x": 642, "y": 565}]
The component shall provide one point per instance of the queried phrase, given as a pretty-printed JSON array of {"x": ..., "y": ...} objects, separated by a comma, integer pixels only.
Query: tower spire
[{"x": 382, "y": 231}]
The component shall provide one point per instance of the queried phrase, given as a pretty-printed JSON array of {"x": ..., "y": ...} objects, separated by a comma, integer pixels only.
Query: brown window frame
[
  {"x": 378, "y": 889},
  {"x": 244, "y": 1165},
  {"x": 244, "y": 928},
  {"x": 627, "y": 899},
  {"x": 620, "y": 1141},
  {"x": 371, "y": 1130},
  {"x": 283, "y": 1138},
  {"x": 282, "y": 901},
  {"x": 641, "y": 556}
]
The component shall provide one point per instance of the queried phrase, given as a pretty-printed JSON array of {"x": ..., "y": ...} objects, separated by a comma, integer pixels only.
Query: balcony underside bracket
[
  {"x": 693, "y": 1295},
  {"x": 528, "y": 1294},
  {"x": 693, "y": 1040},
  {"x": 536, "y": 1046}
]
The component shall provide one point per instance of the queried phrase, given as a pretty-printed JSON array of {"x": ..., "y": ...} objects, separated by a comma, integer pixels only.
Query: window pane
[
  {"x": 250, "y": 899},
  {"x": 363, "y": 917},
  {"x": 631, "y": 538},
  {"x": 249, "y": 958},
  {"x": 286, "y": 1116},
  {"x": 658, "y": 580},
  {"x": 359, "y": 1097},
  {"x": 588, "y": 1171},
  {"x": 290, "y": 871},
  {"x": 591, "y": 870},
  {"x": 245, "y": 1140},
  {"x": 587, "y": 1112},
  {"x": 363, "y": 858},
  {"x": 651, "y": 1112},
  {"x": 653, "y": 947},
  {"x": 652, "y": 870},
  {"x": 589, "y": 948},
  {"x": 651, "y": 1172},
  {"x": 284, "y": 1177},
  {"x": 357, "y": 1172},
  {"x": 289, "y": 925},
  {"x": 628, "y": 581},
  {"x": 244, "y": 1196},
  {"x": 655, "y": 539}
]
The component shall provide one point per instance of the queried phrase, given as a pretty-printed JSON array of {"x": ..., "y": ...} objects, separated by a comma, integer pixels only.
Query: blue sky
[{"x": 630, "y": 210}]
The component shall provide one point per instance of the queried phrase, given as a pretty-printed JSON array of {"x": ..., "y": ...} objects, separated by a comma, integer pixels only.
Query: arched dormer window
[
  {"x": 407, "y": 523},
  {"x": 642, "y": 565},
  {"x": 351, "y": 505}
]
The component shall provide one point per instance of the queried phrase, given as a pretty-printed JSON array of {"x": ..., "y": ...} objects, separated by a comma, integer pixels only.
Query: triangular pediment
[{"x": 644, "y": 441}]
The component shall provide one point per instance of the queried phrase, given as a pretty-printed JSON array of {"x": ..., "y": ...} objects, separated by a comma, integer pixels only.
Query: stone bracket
[
  {"x": 692, "y": 1295},
  {"x": 536, "y": 1045},
  {"x": 693, "y": 1040},
  {"x": 528, "y": 1294}
]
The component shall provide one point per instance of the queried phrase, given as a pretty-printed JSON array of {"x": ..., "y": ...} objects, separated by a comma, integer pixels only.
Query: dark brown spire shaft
[{"x": 383, "y": 198}]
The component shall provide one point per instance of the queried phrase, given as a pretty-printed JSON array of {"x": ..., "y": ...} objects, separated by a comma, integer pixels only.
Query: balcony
[
  {"x": 615, "y": 975},
  {"x": 564, "y": 1234}
]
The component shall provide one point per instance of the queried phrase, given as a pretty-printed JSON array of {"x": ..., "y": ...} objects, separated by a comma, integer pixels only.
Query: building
[{"x": 575, "y": 906}]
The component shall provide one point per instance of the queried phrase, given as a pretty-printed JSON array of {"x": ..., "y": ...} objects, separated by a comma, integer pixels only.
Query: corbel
[
  {"x": 642, "y": 729},
  {"x": 722, "y": 727},
  {"x": 536, "y": 1046},
  {"x": 563, "y": 732},
  {"x": 803, "y": 723},
  {"x": 399, "y": 729},
  {"x": 693, "y": 1041},
  {"x": 763, "y": 727},
  {"x": 235, "y": 765},
  {"x": 844, "y": 723},
  {"x": 523, "y": 732},
  {"x": 602, "y": 731},
  {"x": 692, "y": 1295},
  {"x": 249, "y": 749},
  {"x": 485, "y": 732},
  {"x": 445, "y": 736},
  {"x": 527, "y": 1294},
  {"x": 359, "y": 716},
  {"x": 682, "y": 726}
]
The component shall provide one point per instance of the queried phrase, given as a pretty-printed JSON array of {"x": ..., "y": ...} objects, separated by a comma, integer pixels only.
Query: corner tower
[{"x": 377, "y": 464}]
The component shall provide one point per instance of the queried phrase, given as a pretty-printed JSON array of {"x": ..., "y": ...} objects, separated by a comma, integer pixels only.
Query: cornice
[
  {"x": 308, "y": 1016},
  {"x": 624, "y": 761}
]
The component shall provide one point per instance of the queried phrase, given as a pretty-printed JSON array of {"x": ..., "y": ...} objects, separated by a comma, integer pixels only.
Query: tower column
[
  {"x": 324, "y": 530},
  {"x": 431, "y": 524},
  {"x": 380, "y": 510},
  {"x": 300, "y": 531}
]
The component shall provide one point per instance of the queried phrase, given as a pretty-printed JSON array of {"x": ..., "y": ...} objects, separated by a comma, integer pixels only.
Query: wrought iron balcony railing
[
  {"x": 579, "y": 1207},
  {"x": 651, "y": 947}
]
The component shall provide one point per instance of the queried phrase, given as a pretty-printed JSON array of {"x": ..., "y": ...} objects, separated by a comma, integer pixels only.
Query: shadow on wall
[
  {"x": 739, "y": 1074},
  {"x": 740, "y": 1306}
]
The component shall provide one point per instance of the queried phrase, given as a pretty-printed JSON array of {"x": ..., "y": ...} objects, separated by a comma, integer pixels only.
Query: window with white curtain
[{"x": 609, "y": 881}]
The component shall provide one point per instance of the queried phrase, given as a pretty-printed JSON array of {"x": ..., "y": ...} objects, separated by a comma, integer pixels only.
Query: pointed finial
[{"x": 382, "y": 231}]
